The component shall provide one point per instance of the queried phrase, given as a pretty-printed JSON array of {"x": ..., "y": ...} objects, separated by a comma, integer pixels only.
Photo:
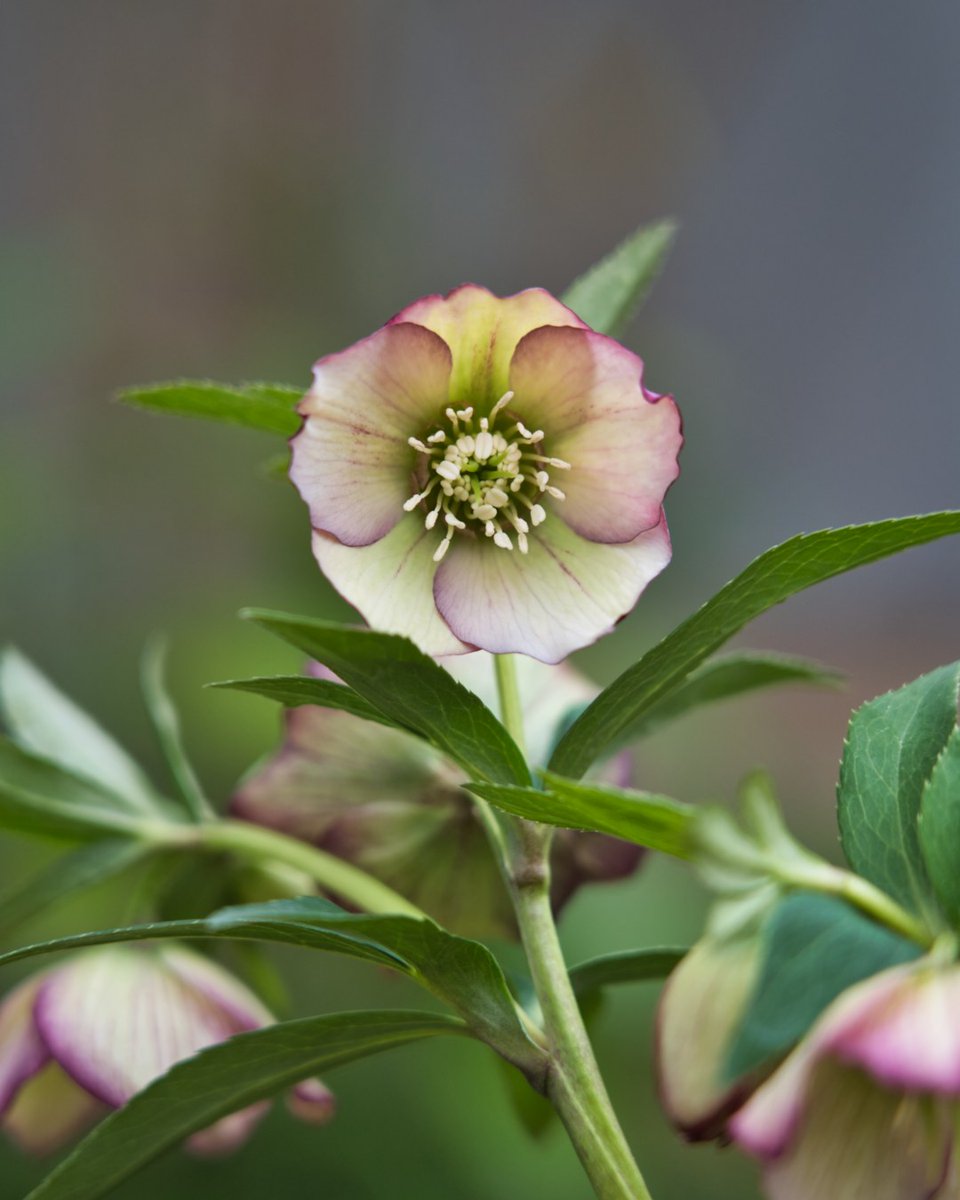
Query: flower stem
[
  {"x": 574, "y": 1084},
  {"x": 261, "y": 845}
]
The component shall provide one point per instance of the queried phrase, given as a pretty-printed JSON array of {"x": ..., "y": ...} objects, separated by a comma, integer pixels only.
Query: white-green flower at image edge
[
  {"x": 87, "y": 1035},
  {"x": 487, "y": 473},
  {"x": 868, "y": 1103},
  {"x": 393, "y": 805}
]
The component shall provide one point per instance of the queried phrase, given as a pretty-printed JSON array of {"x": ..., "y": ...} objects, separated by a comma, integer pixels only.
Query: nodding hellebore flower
[
  {"x": 487, "y": 473},
  {"x": 393, "y": 805},
  {"x": 87, "y": 1035},
  {"x": 868, "y": 1104}
]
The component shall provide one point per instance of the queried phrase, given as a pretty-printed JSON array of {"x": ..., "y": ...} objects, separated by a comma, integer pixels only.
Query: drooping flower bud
[{"x": 86, "y": 1036}]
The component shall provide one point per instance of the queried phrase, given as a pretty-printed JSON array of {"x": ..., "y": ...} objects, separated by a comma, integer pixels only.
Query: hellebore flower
[
  {"x": 87, "y": 1035},
  {"x": 867, "y": 1104},
  {"x": 487, "y": 473},
  {"x": 390, "y": 803}
]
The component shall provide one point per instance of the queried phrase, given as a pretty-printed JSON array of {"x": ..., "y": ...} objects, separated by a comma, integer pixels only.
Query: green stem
[
  {"x": 261, "y": 845},
  {"x": 574, "y": 1084},
  {"x": 834, "y": 881}
]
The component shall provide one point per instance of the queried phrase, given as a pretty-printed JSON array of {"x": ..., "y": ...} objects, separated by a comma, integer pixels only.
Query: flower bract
[{"x": 489, "y": 473}]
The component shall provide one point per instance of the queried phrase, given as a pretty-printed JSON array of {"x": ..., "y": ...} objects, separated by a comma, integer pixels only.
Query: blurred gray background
[{"x": 230, "y": 188}]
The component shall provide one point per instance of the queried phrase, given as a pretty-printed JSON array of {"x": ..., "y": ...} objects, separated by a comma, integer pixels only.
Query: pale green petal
[
  {"x": 49, "y": 1111},
  {"x": 391, "y": 583}
]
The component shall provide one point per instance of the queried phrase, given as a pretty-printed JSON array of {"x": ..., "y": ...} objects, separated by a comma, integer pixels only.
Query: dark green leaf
[
  {"x": 893, "y": 744},
  {"x": 625, "y": 966},
  {"x": 410, "y": 688},
  {"x": 940, "y": 826},
  {"x": 166, "y": 724},
  {"x": 38, "y": 797},
  {"x": 608, "y": 295},
  {"x": 294, "y": 690},
  {"x": 726, "y": 677},
  {"x": 222, "y": 1079},
  {"x": 770, "y": 579},
  {"x": 271, "y": 408},
  {"x": 815, "y": 948},
  {"x": 68, "y": 875},
  {"x": 461, "y": 972},
  {"x": 43, "y": 720},
  {"x": 648, "y": 820}
]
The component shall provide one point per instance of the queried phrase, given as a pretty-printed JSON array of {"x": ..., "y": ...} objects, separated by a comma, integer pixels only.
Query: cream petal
[
  {"x": 117, "y": 1018},
  {"x": 562, "y": 595},
  {"x": 391, "y": 584},
  {"x": 859, "y": 1140},
  {"x": 586, "y": 392},
  {"x": 351, "y": 460},
  {"x": 700, "y": 1010},
  {"x": 22, "y": 1050},
  {"x": 312, "y": 1101},
  {"x": 50, "y": 1110},
  {"x": 482, "y": 330}
]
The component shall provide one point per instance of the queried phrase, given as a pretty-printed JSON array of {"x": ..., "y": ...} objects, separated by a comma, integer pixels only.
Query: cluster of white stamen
[{"x": 479, "y": 477}]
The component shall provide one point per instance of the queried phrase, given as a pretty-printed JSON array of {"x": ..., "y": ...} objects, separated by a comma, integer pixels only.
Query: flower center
[{"x": 481, "y": 477}]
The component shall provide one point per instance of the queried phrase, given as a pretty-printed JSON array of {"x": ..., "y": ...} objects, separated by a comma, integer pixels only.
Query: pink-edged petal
[
  {"x": 700, "y": 1010},
  {"x": 391, "y": 584},
  {"x": 22, "y": 1050},
  {"x": 766, "y": 1125},
  {"x": 910, "y": 1036},
  {"x": 861, "y": 1140},
  {"x": 562, "y": 595},
  {"x": 117, "y": 1018},
  {"x": 351, "y": 460},
  {"x": 312, "y": 1102},
  {"x": 547, "y": 694},
  {"x": 482, "y": 330},
  {"x": 50, "y": 1110},
  {"x": 229, "y": 1133},
  {"x": 213, "y": 985},
  {"x": 586, "y": 392}
]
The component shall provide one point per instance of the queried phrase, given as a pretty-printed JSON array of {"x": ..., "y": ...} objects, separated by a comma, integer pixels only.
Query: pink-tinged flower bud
[
  {"x": 388, "y": 802},
  {"x": 867, "y": 1104},
  {"x": 487, "y": 473},
  {"x": 700, "y": 1011},
  {"x": 85, "y": 1036}
]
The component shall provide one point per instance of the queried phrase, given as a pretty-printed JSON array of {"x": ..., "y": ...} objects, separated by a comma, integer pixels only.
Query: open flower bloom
[
  {"x": 867, "y": 1104},
  {"x": 487, "y": 473},
  {"x": 393, "y": 805},
  {"x": 87, "y": 1035}
]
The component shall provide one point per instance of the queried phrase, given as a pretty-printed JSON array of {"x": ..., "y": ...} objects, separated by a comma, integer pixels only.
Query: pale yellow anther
[{"x": 447, "y": 469}]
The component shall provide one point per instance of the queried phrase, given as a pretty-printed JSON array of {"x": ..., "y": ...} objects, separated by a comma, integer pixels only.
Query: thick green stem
[
  {"x": 261, "y": 845},
  {"x": 574, "y": 1083}
]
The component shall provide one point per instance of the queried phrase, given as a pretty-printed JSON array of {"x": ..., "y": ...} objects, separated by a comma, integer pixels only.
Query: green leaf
[
  {"x": 294, "y": 690},
  {"x": 770, "y": 579},
  {"x": 625, "y": 966},
  {"x": 67, "y": 876},
  {"x": 411, "y": 689},
  {"x": 42, "y": 719},
  {"x": 608, "y": 295},
  {"x": 38, "y": 797},
  {"x": 166, "y": 724},
  {"x": 648, "y": 820},
  {"x": 461, "y": 972},
  {"x": 815, "y": 948},
  {"x": 222, "y": 1079},
  {"x": 269, "y": 407},
  {"x": 892, "y": 747},
  {"x": 726, "y": 677},
  {"x": 940, "y": 826}
]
